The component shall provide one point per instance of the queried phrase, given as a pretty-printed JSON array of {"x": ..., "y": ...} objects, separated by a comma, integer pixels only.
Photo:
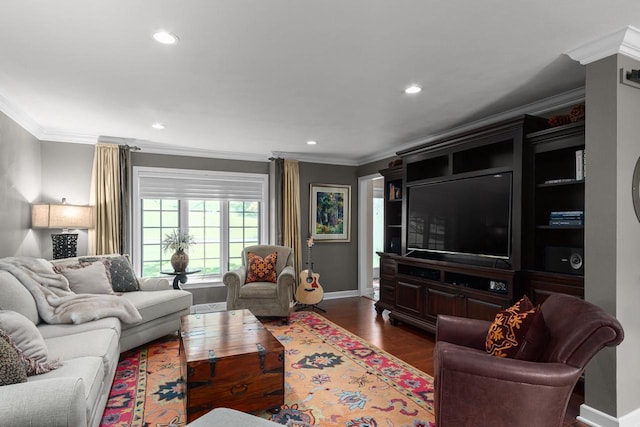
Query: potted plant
[{"x": 178, "y": 241}]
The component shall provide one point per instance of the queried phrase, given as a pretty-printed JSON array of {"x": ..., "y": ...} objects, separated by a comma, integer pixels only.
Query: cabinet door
[
  {"x": 441, "y": 301},
  {"x": 480, "y": 309},
  {"x": 409, "y": 298},
  {"x": 539, "y": 290},
  {"x": 387, "y": 281}
]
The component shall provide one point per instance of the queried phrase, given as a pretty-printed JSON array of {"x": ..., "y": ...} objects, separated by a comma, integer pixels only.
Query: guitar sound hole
[{"x": 309, "y": 279}]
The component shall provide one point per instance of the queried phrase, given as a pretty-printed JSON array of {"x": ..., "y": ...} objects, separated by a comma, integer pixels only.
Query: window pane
[
  {"x": 150, "y": 269},
  {"x": 236, "y": 234},
  {"x": 235, "y": 250},
  {"x": 151, "y": 219},
  {"x": 212, "y": 250},
  {"x": 170, "y": 205},
  {"x": 196, "y": 251},
  {"x": 236, "y": 206},
  {"x": 196, "y": 205},
  {"x": 212, "y": 266},
  {"x": 252, "y": 207},
  {"x": 235, "y": 263},
  {"x": 236, "y": 219},
  {"x": 152, "y": 235},
  {"x": 151, "y": 204},
  {"x": 212, "y": 234},
  {"x": 152, "y": 252},
  {"x": 196, "y": 219},
  {"x": 170, "y": 219},
  {"x": 197, "y": 233},
  {"x": 251, "y": 219},
  {"x": 251, "y": 235}
]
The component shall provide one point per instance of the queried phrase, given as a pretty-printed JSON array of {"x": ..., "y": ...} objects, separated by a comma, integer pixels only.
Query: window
[{"x": 225, "y": 212}]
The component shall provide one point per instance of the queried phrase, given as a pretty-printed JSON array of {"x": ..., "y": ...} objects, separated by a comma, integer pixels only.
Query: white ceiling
[{"x": 253, "y": 77}]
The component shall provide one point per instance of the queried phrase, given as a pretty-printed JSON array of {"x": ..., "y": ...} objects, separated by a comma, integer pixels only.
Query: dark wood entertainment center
[{"x": 416, "y": 287}]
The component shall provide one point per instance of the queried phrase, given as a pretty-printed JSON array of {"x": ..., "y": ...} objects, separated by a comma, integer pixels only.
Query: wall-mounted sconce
[{"x": 66, "y": 217}]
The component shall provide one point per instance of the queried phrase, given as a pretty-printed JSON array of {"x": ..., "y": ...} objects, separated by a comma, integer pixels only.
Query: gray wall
[
  {"x": 612, "y": 232},
  {"x": 373, "y": 167},
  {"x": 336, "y": 263},
  {"x": 20, "y": 181},
  {"x": 199, "y": 163},
  {"x": 66, "y": 172}
]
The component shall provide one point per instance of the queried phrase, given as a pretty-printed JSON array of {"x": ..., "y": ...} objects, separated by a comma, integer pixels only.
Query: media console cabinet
[
  {"x": 417, "y": 290},
  {"x": 417, "y": 287}
]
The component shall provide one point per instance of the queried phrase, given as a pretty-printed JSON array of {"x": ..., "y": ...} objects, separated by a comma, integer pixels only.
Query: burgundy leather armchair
[{"x": 473, "y": 388}]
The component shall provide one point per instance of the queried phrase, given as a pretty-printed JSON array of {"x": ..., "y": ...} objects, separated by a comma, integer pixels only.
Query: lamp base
[{"x": 64, "y": 245}]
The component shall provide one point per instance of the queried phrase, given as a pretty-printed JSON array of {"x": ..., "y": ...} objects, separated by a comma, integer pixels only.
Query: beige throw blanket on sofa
[{"x": 57, "y": 303}]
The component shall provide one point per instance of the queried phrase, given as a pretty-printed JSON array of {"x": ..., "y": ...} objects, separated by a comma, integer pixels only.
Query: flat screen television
[{"x": 469, "y": 216}]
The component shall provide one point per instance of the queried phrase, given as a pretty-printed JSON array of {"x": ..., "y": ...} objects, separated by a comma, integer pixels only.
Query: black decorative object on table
[{"x": 180, "y": 277}]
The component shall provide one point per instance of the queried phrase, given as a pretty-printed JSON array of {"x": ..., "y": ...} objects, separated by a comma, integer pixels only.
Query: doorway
[{"x": 371, "y": 229}]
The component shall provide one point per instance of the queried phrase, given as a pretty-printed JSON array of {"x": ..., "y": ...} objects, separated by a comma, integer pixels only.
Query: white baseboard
[
  {"x": 341, "y": 294},
  {"x": 222, "y": 306},
  {"x": 595, "y": 418},
  {"x": 369, "y": 292}
]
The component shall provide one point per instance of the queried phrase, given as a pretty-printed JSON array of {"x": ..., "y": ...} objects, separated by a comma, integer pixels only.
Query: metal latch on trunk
[
  {"x": 212, "y": 362},
  {"x": 262, "y": 353}
]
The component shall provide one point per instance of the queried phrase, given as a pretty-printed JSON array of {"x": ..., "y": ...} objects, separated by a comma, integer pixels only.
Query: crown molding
[
  {"x": 61, "y": 135},
  {"x": 556, "y": 102},
  {"x": 173, "y": 150},
  {"x": 19, "y": 116},
  {"x": 314, "y": 159},
  {"x": 625, "y": 41}
]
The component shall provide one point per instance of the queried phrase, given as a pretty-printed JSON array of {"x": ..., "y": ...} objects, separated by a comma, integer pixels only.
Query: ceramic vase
[{"x": 179, "y": 261}]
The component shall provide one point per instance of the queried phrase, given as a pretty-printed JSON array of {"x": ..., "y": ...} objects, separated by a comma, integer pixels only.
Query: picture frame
[{"x": 330, "y": 212}]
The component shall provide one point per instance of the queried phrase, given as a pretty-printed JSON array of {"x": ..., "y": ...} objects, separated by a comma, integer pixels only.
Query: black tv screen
[{"x": 470, "y": 216}]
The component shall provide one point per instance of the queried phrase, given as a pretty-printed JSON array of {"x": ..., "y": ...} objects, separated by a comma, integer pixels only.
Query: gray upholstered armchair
[{"x": 263, "y": 298}]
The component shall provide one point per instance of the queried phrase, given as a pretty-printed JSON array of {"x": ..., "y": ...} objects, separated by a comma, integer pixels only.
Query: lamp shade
[{"x": 61, "y": 216}]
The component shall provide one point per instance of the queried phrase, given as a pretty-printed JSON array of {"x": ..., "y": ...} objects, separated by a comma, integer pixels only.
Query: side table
[{"x": 179, "y": 276}]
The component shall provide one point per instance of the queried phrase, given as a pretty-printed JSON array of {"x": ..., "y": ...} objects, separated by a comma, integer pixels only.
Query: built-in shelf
[
  {"x": 560, "y": 227},
  {"x": 555, "y": 154},
  {"x": 560, "y": 184}
]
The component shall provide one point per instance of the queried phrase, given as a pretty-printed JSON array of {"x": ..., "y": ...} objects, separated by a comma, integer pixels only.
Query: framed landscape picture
[{"x": 330, "y": 212}]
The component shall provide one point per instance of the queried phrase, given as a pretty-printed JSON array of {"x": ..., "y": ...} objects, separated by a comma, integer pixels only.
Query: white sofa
[{"x": 76, "y": 393}]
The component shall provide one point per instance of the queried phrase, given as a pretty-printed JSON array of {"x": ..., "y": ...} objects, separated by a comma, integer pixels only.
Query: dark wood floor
[{"x": 410, "y": 344}]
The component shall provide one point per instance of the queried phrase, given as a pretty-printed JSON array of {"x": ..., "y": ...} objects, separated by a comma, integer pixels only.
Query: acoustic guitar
[{"x": 309, "y": 291}]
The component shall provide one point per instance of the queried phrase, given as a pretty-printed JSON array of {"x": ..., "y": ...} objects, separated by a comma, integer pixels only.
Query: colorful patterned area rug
[
  {"x": 332, "y": 378},
  {"x": 147, "y": 390}
]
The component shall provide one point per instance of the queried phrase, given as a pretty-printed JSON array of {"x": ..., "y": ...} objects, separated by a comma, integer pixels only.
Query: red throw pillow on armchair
[
  {"x": 518, "y": 332},
  {"x": 262, "y": 269}
]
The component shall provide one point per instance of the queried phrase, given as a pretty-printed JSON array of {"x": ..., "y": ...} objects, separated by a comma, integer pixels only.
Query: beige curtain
[
  {"x": 105, "y": 238},
  {"x": 291, "y": 211}
]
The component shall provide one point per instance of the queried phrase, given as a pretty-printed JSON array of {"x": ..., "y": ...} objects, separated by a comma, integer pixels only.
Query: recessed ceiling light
[
  {"x": 412, "y": 90},
  {"x": 165, "y": 37},
  {"x": 157, "y": 126},
  {"x": 311, "y": 142}
]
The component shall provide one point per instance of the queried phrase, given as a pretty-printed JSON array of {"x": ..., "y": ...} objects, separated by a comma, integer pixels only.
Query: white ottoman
[{"x": 225, "y": 417}]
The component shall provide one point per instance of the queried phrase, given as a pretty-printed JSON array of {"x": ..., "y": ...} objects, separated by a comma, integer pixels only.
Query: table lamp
[{"x": 66, "y": 217}]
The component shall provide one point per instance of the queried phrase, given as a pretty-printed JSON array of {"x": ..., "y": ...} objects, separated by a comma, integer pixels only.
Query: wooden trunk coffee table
[{"x": 228, "y": 359}]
